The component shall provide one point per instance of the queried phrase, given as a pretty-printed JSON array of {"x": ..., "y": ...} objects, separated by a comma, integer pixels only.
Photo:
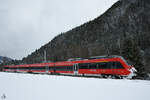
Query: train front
[
  {"x": 130, "y": 69},
  {"x": 132, "y": 72}
]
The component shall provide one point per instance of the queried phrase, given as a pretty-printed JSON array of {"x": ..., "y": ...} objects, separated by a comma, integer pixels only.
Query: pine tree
[{"x": 131, "y": 51}]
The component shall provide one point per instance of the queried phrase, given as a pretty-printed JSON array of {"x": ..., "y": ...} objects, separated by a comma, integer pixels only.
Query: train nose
[
  {"x": 132, "y": 72},
  {"x": 132, "y": 68}
]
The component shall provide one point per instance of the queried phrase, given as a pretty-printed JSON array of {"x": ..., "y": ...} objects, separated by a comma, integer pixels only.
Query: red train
[{"x": 112, "y": 66}]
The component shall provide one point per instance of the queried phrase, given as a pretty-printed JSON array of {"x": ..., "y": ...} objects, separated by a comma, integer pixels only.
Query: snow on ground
[{"x": 17, "y": 86}]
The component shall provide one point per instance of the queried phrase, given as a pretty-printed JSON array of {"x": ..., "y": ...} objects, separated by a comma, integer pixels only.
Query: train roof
[
  {"x": 70, "y": 60},
  {"x": 102, "y": 57},
  {"x": 96, "y": 57}
]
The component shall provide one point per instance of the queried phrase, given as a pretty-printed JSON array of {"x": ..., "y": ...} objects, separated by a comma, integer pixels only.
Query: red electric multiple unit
[{"x": 100, "y": 65}]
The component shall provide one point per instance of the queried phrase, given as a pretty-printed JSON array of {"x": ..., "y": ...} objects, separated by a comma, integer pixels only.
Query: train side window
[
  {"x": 113, "y": 65},
  {"x": 98, "y": 66},
  {"x": 119, "y": 65},
  {"x": 109, "y": 65},
  {"x": 84, "y": 66},
  {"x": 102, "y": 65},
  {"x": 50, "y": 68},
  {"x": 93, "y": 66},
  {"x": 116, "y": 65}
]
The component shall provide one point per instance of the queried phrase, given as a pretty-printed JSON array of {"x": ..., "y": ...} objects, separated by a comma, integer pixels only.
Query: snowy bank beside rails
[{"x": 15, "y": 86}]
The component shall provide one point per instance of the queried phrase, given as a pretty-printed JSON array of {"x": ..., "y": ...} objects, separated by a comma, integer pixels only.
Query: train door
[
  {"x": 113, "y": 68},
  {"x": 17, "y": 69},
  {"x": 46, "y": 69},
  {"x": 75, "y": 69}
]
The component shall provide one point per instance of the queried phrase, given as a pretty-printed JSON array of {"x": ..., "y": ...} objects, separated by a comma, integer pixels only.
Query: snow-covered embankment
[{"x": 17, "y": 86}]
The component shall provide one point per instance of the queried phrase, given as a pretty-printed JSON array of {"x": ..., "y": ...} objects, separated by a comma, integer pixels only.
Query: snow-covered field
[{"x": 17, "y": 86}]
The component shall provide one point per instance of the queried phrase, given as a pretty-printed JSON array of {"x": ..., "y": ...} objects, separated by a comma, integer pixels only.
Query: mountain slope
[
  {"x": 4, "y": 59},
  {"x": 121, "y": 30}
]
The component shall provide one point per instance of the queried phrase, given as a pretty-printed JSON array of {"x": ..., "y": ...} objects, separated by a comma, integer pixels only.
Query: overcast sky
[{"x": 26, "y": 25}]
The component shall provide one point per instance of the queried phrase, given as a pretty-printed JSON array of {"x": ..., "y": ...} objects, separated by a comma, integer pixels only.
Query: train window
[
  {"x": 109, "y": 65},
  {"x": 102, "y": 65},
  {"x": 6, "y": 67},
  {"x": 24, "y": 68},
  {"x": 62, "y": 68},
  {"x": 119, "y": 65},
  {"x": 13, "y": 68},
  {"x": 84, "y": 66},
  {"x": 114, "y": 65},
  {"x": 69, "y": 68},
  {"x": 32, "y": 68},
  {"x": 56, "y": 68},
  {"x": 93, "y": 66},
  {"x": 51, "y": 68}
]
